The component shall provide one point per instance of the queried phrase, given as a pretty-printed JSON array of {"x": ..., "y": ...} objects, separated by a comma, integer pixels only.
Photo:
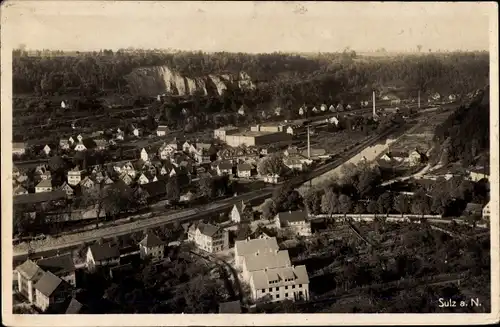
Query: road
[{"x": 188, "y": 215}]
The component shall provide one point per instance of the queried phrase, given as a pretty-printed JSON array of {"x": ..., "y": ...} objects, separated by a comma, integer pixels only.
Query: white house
[
  {"x": 19, "y": 190},
  {"x": 144, "y": 155},
  {"x": 64, "y": 144},
  {"x": 302, "y": 111},
  {"x": 277, "y": 111},
  {"x": 51, "y": 290},
  {"x": 162, "y": 130},
  {"x": 75, "y": 176},
  {"x": 487, "y": 211},
  {"x": 241, "y": 111},
  {"x": 239, "y": 211},
  {"x": 323, "y": 107},
  {"x": 244, "y": 170},
  {"x": 224, "y": 168},
  {"x": 28, "y": 274},
  {"x": 136, "y": 131},
  {"x": 80, "y": 147},
  {"x": 87, "y": 183},
  {"x": 60, "y": 265},
  {"x": 208, "y": 237},
  {"x": 102, "y": 255},
  {"x": 331, "y": 108},
  {"x": 152, "y": 246},
  {"x": 45, "y": 185},
  {"x": 294, "y": 220},
  {"x": 46, "y": 149},
  {"x": 332, "y": 120},
  {"x": 269, "y": 272},
  {"x": 143, "y": 179},
  {"x": 63, "y": 105},
  {"x": 67, "y": 189},
  {"x": 126, "y": 178},
  {"x": 315, "y": 110}
]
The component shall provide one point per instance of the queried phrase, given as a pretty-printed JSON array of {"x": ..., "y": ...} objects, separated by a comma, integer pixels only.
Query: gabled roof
[
  {"x": 45, "y": 183},
  {"x": 49, "y": 283},
  {"x": 208, "y": 229},
  {"x": 151, "y": 240},
  {"x": 315, "y": 152},
  {"x": 29, "y": 269},
  {"x": 19, "y": 189},
  {"x": 162, "y": 128},
  {"x": 74, "y": 307},
  {"x": 247, "y": 247},
  {"x": 225, "y": 165},
  {"x": 292, "y": 216},
  {"x": 104, "y": 251},
  {"x": 154, "y": 189},
  {"x": 244, "y": 167},
  {"x": 59, "y": 264},
  {"x": 39, "y": 197},
  {"x": 473, "y": 207},
  {"x": 269, "y": 260}
]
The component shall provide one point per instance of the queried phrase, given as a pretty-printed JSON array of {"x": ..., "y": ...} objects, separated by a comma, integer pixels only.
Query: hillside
[
  {"x": 165, "y": 80},
  {"x": 465, "y": 134}
]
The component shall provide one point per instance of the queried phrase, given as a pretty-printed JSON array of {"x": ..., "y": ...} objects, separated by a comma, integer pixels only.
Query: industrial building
[
  {"x": 220, "y": 133},
  {"x": 269, "y": 128},
  {"x": 254, "y": 138}
]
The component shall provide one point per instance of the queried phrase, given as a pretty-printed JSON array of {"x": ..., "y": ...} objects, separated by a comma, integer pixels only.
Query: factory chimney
[
  {"x": 308, "y": 142},
  {"x": 373, "y": 100},
  {"x": 418, "y": 99}
]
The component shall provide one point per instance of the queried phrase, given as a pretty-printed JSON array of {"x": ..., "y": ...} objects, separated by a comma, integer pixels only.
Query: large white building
[
  {"x": 254, "y": 138},
  {"x": 295, "y": 221},
  {"x": 208, "y": 237},
  {"x": 269, "y": 272}
]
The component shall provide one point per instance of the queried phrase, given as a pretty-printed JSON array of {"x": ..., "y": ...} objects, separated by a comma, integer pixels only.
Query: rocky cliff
[{"x": 156, "y": 80}]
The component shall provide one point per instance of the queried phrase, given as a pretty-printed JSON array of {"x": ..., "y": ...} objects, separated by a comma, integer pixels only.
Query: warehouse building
[
  {"x": 221, "y": 133},
  {"x": 255, "y": 138}
]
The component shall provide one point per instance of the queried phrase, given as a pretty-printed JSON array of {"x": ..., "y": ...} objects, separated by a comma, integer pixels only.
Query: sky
[{"x": 247, "y": 26}]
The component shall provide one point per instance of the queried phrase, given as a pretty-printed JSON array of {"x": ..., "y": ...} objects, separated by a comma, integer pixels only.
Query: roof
[
  {"x": 270, "y": 260},
  {"x": 473, "y": 207},
  {"x": 225, "y": 165},
  {"x": 315, "y": 152},
  {"x": 397, "y": 154},
  {"x": 48, "y": 284},
  {"x": 45, "y": 183},
  {"x": 292, "y": 216},
  {"x": 257, "y": 245},
  {"x": 151, "y": 240},
  {"x": 208, "y": 229},
  {"x": 261, "y": 278},
  {"x": 18, "y": 145},
  {"x": 74, "y": 307},
  {"x": 29, "y": 269},
  {"x": 19, "y": 189},
  {"x": 230, "y": 307},
  {"x": 162, "y": 128},
  {"x": 59, "y": 264},
  {"x": 244, "y": 167},
  {"x": 39, "y": 197},
  {"x": 104, "y": 251},
  {"x": 227, "y": 128}
]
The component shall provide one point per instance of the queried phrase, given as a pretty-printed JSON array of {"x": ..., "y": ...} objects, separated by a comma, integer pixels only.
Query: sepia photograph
[{"x": 235, "y": 162}]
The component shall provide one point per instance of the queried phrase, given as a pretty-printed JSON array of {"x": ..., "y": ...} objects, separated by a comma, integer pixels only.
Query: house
[
  {"x": 87, "y": 183},
  {"x": 332, "y": 108},
  {"x": 28, "y": 274},
  {"x": 302, "y": 111},
  {"x": 473, "y": 209},
  {"x": 75, "y": 176},
  {"x": 45, "y": 185},
  {"x": 60, "y": 265},
  {"x": 126, "y": 178},
  {"x": 67, "y": 189},
  {"x": 323, "y": 107},
  {"x": 273, "y": 179},
  {"x": 278, "y": 111},
  {"x": 187, "y": 197},
  {"x": 269, "y": 271},
  {"x": 127, "y": 168},
  {"x": 294, "y": 220},
  {"x": 291, "y": 151},
  {"x": 393, "y": 98},
  {"x": 64, "y": 144},
  {"x": 45, "y": 175},
  {"x": 242, "y": 110},
  {"x": 340, "y": 107},
  {"x": 230, "y": 307},
  {"x": 102, "y": 255},
  {"x": 452, "y": 97},
  {"x": 316, "y": 153},
  {"x": 152, "y": 246},
  {"x": 79, "y": 138},
  {"x": 416, "y": 157},
  {"x": 162, "y": 130},
  {"x": 186, "y": 146},
  {"x": 222, "y": 132},
  {"x": 120, "y": 136},
  {"x": 144, "y": 155},
  {"x": 244, "y": 170},
  {"x": 240, "y": 212},
  {"x": 136, "y": 131},
  {"x": 167, "y": 150},
  {"x": 63, "y": 105},
  {"x": 294, "y": 163},
  {"x": 18, "y": 148},
  {"x": 224, "y": 168},
  {"x": 101, "y": 144},
  {"x": 332, "y": 120},
  {"x": 80, "y": 146},
  {"x": 476, "y": 174},
  {"x": 19, "y": 190},
  {"x": 143, "y": 179},
  {"x": 208, "y": 237},
  {"x": 315, "y": 110},
  {"x": 50, "y": 291},
  {"x": 486, "y": 211}
]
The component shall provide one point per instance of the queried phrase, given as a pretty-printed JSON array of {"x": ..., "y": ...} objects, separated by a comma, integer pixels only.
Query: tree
[
  {"x": 312, "y": 201},
  {"x": 271, "y": 165},
  {"x": 384, "y": 203},
  {"x": 402, "y": 204},
  {"x": 173, "y": 189},
  {"x": 206, "y": 187},
  {"x": 268, "y": 209},
  {"x": 372, "y": 207},
  {"x": 420, "y": 204},
  {"x": 330, "y": 202},
  {"x": 345, "y": 204},
  {"x": 360, "y": 208}
]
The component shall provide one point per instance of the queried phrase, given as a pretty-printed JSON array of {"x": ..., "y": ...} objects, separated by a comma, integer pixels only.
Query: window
[
  {"x": 277, "y": 296},
  {"x": 300, "y": 285},
  {"x": 263, "y": 290},
  {"x": 277, "y": 289},
  {"x": 270, "y": 289},
  {"x": 286, "y": 294},
  {"x": 286, "y": 287},
  {"x": 293, "y": 286},
  {"x": 271, "y": 296}
]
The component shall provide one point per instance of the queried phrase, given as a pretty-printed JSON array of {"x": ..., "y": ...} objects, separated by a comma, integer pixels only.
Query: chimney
[
  {"x": 308, "y": 143},
  {"x": 373, "y": 100}
]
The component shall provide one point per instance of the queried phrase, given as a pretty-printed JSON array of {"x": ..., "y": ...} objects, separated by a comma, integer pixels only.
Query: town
[{"x": 220, "y": 199}]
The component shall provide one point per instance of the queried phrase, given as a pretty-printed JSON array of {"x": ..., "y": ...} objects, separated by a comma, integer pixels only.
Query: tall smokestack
[
  {"x": 373, "y": 100},
  {"x": 308, "y": 142},
  {"x": 418, "y": 99}
]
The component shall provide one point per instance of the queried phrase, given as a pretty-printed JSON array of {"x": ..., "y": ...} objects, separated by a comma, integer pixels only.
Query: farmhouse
[
  {"x": 244, "y": 170},
  {"x": 45, "y": 185},
  {"x": 294, "y": 220},
  {"x": 152, "y": 246},
  {"x": 51, "y": 290},
  {"x": 102, "y": 255}
]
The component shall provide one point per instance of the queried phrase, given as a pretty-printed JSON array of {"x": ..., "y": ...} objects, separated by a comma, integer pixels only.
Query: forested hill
[
  {"x": 466, "y": 133},
  {"x": 283, "y": 77}
]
